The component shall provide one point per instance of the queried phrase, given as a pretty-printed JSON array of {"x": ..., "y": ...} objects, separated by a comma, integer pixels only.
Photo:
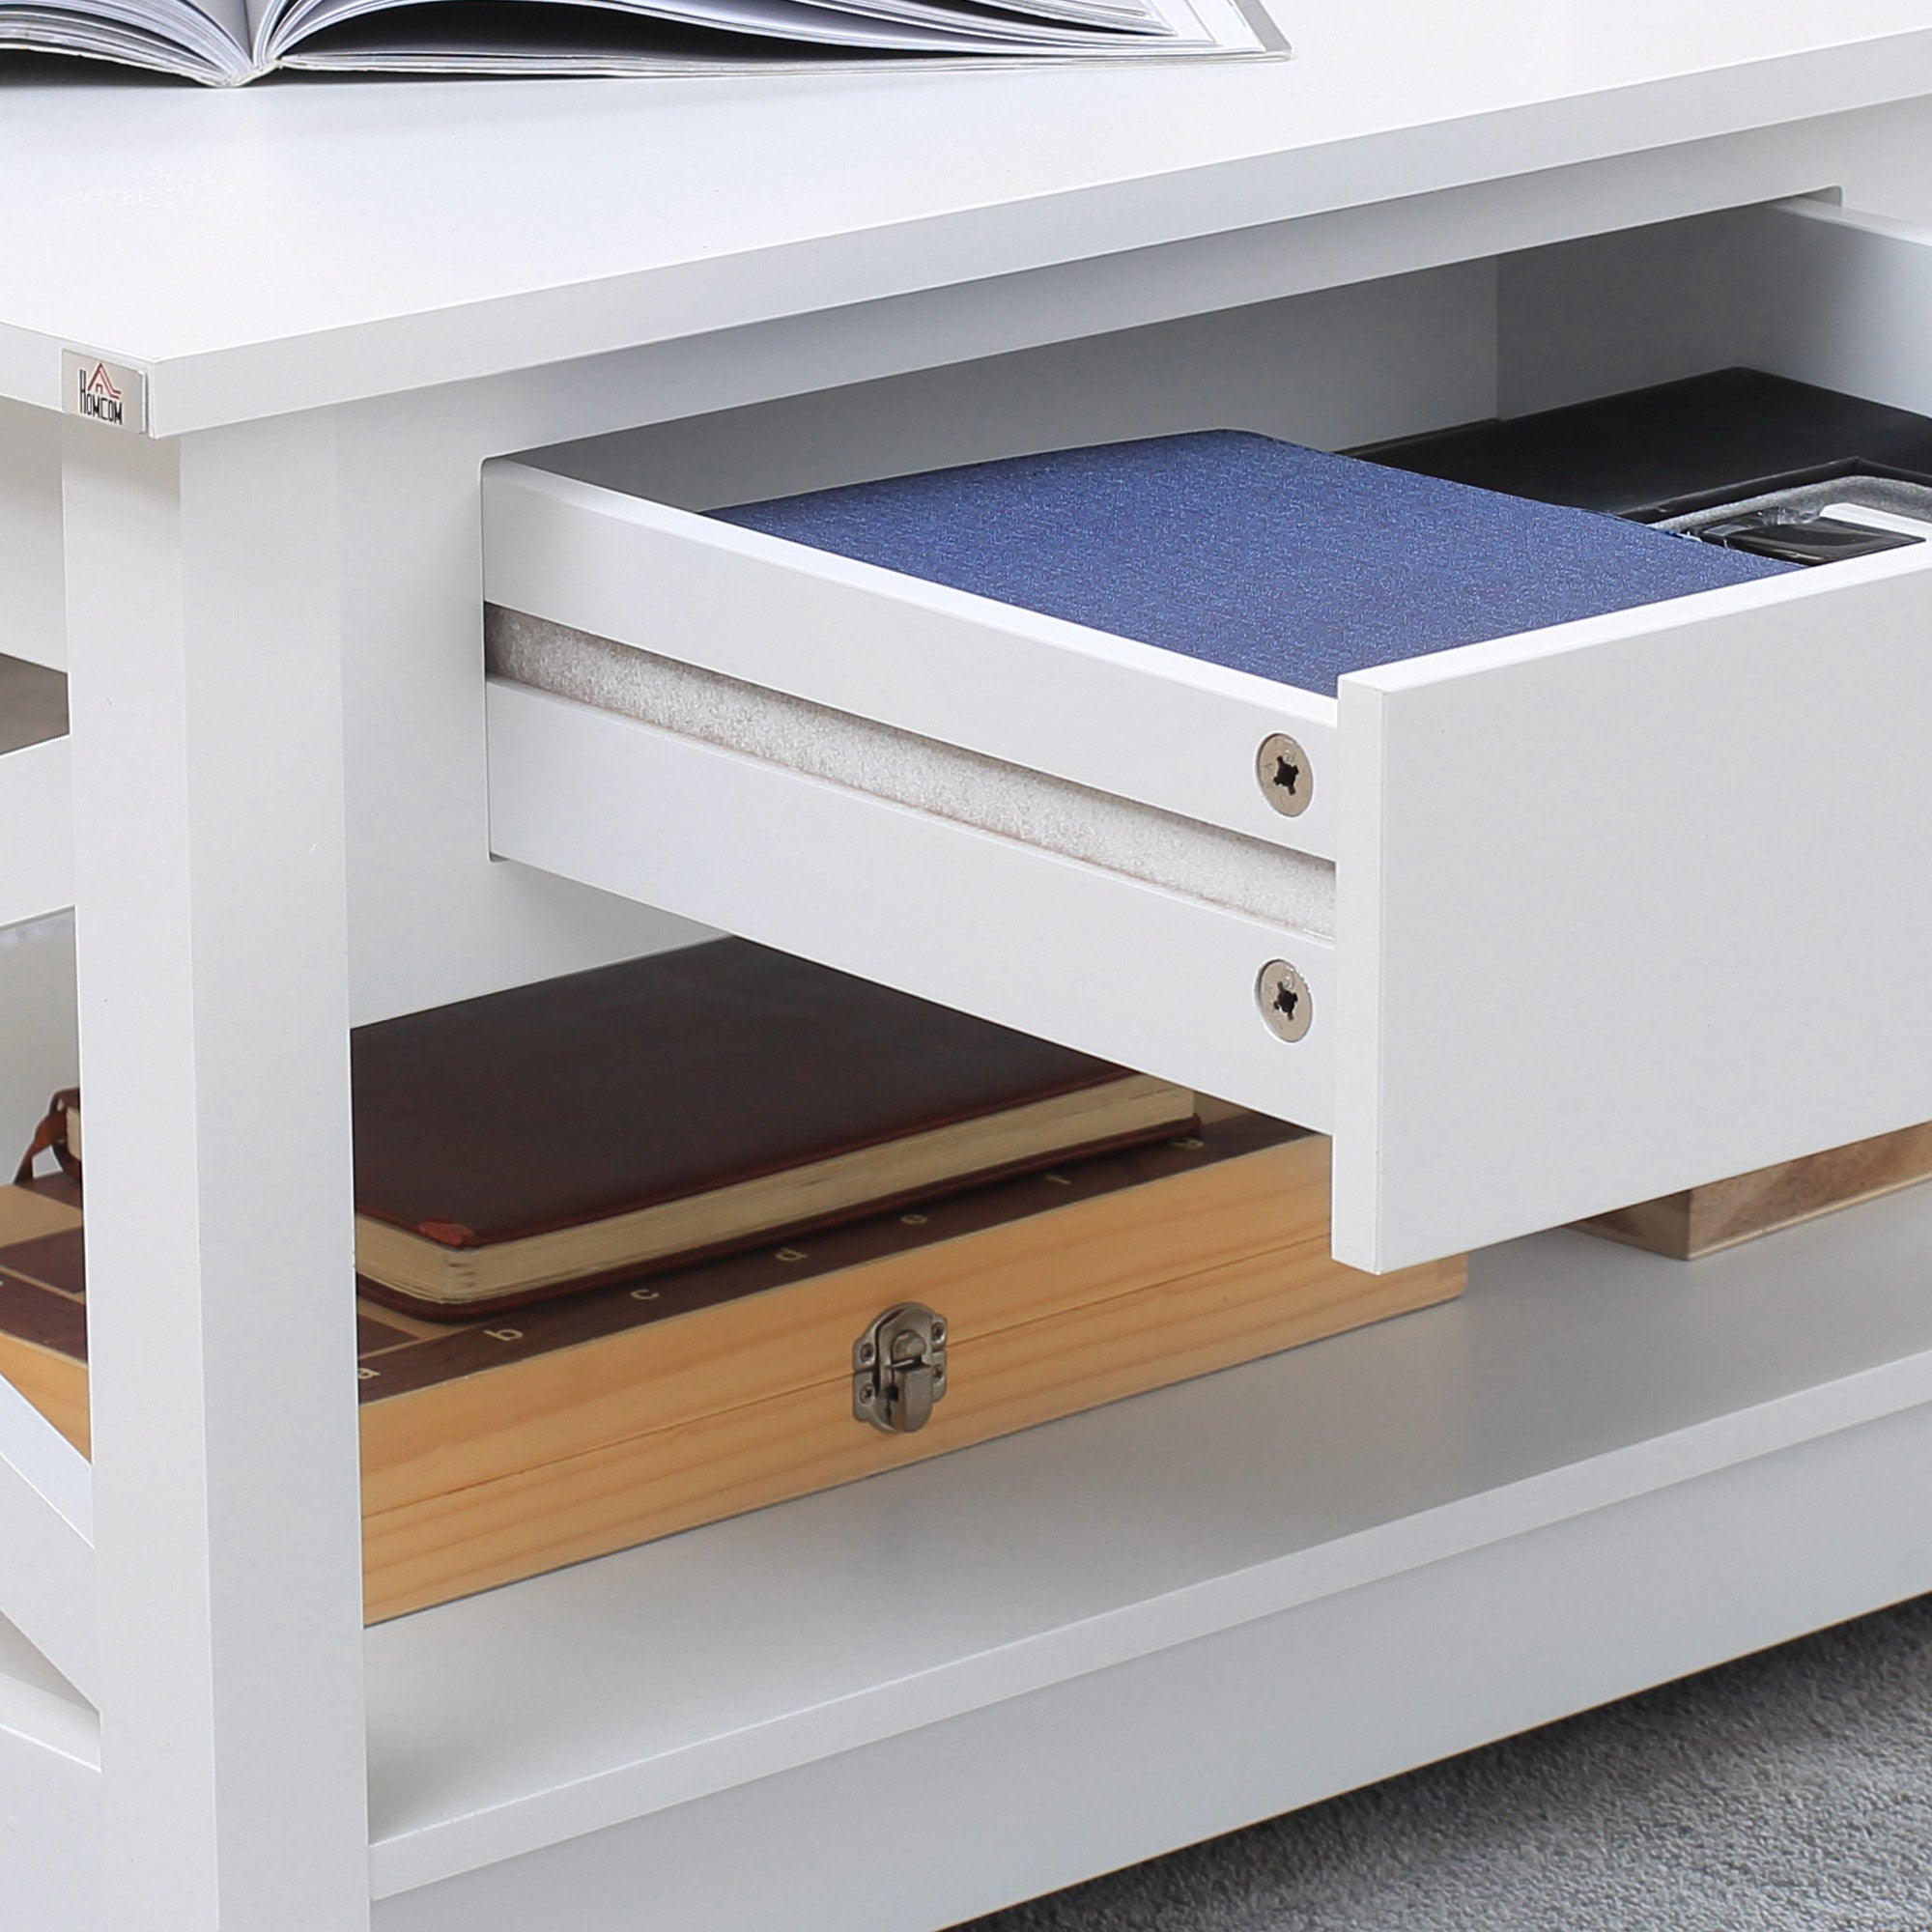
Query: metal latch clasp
[{"x": 898, "y": 1369}]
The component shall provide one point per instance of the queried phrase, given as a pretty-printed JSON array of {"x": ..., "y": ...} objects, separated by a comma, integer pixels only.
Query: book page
[
  {"x": 641, "y": 35},
  {"x": 207, "y": 41},
  {"x": 269, "y": 28},
  {"x": 230, "y": 16}
]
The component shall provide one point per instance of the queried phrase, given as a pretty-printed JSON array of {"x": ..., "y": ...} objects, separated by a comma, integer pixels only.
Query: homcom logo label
[
  {"x": 101, "y": 397},
  {"x": 104, "y": 392}
]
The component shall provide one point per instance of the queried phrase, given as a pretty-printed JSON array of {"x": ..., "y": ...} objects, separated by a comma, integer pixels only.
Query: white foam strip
[{"x": 1158, "y": 848}]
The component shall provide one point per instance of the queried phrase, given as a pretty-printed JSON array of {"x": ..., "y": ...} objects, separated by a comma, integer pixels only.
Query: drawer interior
[{"x": 1505, "y": 839}]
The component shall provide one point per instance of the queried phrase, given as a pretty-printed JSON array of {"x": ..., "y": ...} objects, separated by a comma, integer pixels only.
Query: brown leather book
[{"x": 639, "y": 1116}]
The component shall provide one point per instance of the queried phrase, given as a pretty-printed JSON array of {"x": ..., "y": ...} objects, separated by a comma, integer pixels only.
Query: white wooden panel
[
  {"x": 1803, "y": 289},
  {"x": 32, "y": 622},
  {"x": 1575, "y": 1380},
  {"x": 37, "y": 1701},
  {"x": 1059, "y": 949},
  {"x": 46, "y": 1540},
  {"x": 1632, "y": 904},
  {"x": 431, "y": 920},
  {"x": 51, "y": 1855},
  {"x": 36, "y": 832},
  {"x": 1331, "y": 368},
  {"x": 1125, "y": 718},
  {"x": 206, "y": 688}
]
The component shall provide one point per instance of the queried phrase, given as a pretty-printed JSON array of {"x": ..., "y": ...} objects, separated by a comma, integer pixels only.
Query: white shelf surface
[{"x": 1574, "y": 1375}]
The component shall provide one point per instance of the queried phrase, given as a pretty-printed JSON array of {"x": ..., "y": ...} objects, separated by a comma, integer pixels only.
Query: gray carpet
[{"x": 1790, "y": 1792}]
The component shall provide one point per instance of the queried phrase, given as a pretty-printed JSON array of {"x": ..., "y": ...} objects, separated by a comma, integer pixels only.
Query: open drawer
[{"x": 1567, "y": 919}]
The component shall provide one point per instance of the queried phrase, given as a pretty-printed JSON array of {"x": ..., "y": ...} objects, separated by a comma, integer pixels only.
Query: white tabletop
[{"x": 310, "y": 241}]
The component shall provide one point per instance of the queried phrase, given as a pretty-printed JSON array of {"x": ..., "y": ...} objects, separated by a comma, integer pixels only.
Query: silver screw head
[
  {"x": 1285, "y": 776},
  {"x": 1287, "y": 1006}
]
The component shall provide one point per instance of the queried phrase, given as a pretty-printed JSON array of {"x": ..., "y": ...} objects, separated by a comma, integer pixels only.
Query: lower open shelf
[
  {"x": 899, "y": 1704},
  {"x": 1108, "y": 1636}
]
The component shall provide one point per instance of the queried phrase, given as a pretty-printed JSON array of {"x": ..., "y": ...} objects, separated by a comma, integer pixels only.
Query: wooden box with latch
[{"x": 500, "y": 1448}]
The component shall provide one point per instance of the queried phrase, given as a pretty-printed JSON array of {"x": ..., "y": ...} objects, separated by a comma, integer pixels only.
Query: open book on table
[{"x": 228, "y": 41}]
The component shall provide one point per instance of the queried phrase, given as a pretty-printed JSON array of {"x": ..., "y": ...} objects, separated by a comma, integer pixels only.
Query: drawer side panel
[{"x": 1099, "y": 962}]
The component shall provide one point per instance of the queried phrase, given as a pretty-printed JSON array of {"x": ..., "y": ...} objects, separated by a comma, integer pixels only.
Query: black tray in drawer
[{"x": 1656, "y": 452}]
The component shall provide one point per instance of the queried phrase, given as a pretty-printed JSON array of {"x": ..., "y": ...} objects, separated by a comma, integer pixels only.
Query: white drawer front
[{"x": 1631, "y": 909}]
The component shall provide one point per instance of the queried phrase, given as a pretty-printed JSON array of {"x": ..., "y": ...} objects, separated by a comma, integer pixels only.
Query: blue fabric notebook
[{"x": 1288, "y": 562}]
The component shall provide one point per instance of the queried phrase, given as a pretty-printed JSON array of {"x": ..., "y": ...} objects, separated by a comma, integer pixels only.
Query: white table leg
[{"x": 202, "y": 585}]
